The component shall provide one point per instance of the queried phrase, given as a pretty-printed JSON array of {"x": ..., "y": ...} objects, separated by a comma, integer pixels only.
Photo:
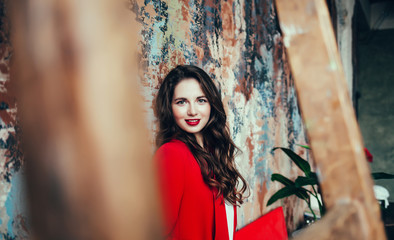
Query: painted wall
[
  {"x": 13, "y": 221},
  {"x": 240, "y": 45}
]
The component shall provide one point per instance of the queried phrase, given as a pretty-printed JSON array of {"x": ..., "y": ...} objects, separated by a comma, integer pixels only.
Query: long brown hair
[{"x": 216, "y": 159}]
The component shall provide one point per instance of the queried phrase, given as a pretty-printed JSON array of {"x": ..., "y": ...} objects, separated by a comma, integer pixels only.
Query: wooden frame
[{"x": 353, "y": 212}]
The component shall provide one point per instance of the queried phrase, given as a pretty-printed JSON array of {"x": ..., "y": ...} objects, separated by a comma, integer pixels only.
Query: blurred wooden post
[
  {"x": 353, "y": 212},
  {"x": 84, "y": 135}
]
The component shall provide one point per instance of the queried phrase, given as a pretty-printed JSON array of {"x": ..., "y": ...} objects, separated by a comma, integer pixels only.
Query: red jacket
[{"x": 191, "y": 210}]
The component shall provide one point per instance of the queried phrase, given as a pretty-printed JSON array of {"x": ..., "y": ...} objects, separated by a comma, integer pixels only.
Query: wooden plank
[
  {"x": 341, "y": 222},
  {"x": 85, "y": 140},
  {"x": 328, "y": 114}
]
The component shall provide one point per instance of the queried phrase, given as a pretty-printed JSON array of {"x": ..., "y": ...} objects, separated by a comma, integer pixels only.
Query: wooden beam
[
  {"x": 328, "y": 114},
  {"x": 341, "y": 222},
  {"x": 84, "y": 136}
]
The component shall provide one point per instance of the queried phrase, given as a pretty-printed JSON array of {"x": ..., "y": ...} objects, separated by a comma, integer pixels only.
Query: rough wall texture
[
  {"x": 13, "y": 222},
  {"x": 375, "y": 106},
  {"x": 345, "y": 10},
  {"x": 240, "y": 45}
]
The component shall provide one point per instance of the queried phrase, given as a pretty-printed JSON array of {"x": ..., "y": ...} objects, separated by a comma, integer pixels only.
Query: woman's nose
[{"x": 191, "y": 111}]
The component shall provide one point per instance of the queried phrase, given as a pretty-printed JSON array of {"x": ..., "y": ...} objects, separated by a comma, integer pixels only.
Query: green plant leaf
[
  {"x": 299, "y": 161},
  {"x": 313, "y": 175},
  {"x": 382, "y": 175},
  {"x": 287, "y": 191},
  {"x": 302, "y": 193},
  {"x": 304, "y": 146},
  {"x": 282, "y": 193},
  {"x": 282, "y": 179},
  {"x": 304, "y": 181}
]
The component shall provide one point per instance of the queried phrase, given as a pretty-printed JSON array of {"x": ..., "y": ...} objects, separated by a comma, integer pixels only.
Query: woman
[{"x": 197, "y": 176}]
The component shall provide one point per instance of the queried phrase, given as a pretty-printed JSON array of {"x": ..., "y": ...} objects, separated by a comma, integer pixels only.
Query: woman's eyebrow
[
  {"x": 180, "y": 98},
  {"x": 183, "y": 98}
]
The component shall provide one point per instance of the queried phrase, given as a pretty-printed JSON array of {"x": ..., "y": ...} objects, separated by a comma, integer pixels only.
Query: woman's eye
[
  {"x": 180, "y": 102},
  {"x": 201, "y": 100}
]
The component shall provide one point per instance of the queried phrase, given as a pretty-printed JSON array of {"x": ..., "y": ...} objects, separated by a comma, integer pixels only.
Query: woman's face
[{"x": 190, "y": 107}]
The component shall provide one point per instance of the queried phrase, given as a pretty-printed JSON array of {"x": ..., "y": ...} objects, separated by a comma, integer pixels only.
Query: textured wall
[
  {"x": 239, "y": 44},
  {"x": 375, "y": 106},
  {"x": 13, "y": 223},
  {"x": 344, "y": 34}
]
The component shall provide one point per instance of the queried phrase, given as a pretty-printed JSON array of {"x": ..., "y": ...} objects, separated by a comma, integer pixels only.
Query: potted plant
[{"x": 298, "y": 187}]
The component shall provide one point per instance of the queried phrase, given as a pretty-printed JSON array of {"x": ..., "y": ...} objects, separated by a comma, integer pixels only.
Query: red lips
[{"x": 192, "y": 122}]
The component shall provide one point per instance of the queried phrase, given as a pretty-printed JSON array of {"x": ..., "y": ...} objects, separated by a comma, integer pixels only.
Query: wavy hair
[{"x": 216, "y": 159}]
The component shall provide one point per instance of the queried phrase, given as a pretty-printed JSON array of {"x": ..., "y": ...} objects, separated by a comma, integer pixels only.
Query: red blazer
[{"x": 191, "y": 210}]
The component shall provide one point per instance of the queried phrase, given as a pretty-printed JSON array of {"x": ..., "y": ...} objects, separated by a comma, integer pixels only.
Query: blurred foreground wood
[
  {"x": 353, "y": 212},
  {"x": 84, "y": 136}
]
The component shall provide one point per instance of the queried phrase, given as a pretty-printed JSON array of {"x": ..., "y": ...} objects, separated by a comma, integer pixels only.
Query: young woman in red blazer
[{"x": 199, "y": 183}]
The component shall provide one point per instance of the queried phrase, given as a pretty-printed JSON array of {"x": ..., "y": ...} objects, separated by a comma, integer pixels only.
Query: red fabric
[
  {"x": 190, "y": 208},
  {"x": 270, "y": 226},
  {"x": 368, "y": 155}
]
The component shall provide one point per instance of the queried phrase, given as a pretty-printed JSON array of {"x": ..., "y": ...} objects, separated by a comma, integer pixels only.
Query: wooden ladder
[{"x": 344, "y": 175}]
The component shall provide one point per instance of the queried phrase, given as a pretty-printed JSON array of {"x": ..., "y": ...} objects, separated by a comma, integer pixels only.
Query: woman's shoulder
[
  {"x": 173, "y": 153},
  {"x": 173, "y": 147}
]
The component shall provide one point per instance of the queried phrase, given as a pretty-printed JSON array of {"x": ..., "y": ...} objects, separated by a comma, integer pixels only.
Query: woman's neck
[{"x": 199, "y": 139}]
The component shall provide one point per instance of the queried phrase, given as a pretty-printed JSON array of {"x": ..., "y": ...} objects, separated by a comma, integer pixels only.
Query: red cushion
[{"x": 270, "y": 226}]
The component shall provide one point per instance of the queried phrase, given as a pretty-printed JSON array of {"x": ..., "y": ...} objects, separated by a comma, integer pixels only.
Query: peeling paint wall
[
  {"x": 240, "y": 45},
  {"x": 13, "y": 220}
]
